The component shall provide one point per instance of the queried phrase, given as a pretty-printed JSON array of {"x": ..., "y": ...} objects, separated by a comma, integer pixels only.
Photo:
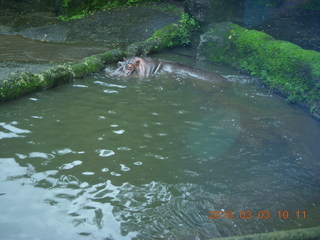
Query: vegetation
[
  {"x": 283, "y": 66},
  {"x": 173, "y": 35},
  {"x": 29, "y": 82},
  {"x": 177, "y": 34}
]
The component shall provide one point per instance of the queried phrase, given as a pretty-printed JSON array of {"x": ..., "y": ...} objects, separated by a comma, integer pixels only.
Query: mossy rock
[
  {"x": 281, "y": 65},
  {"x": 172, "y": 35},
  {"x": 28, "y": 82},
  {"x": 24, "y": 83}
]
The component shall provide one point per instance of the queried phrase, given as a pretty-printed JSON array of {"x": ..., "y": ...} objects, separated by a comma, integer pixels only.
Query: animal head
[{"x": 127, "y": 67}]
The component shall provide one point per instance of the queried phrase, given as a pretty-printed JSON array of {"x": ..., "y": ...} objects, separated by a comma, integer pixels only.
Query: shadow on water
[{"x": 110, "y": 158}]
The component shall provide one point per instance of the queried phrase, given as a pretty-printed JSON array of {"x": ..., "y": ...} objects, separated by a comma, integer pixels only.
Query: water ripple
[
  {"x": 80, "y": 85},
  {"x": 43, "y": 155},
  {"x": 124, "y": 168},
  {"x": 175, "y": 161},
  {"x": 121, "y": 131},
  {"x": 105, "y": 152},
  {"x": 124, "y": 148},
  {"x": 110, "y": 91},
  {"x": 137, "y": 163},
  {"x": 63, "y": 151},
  {"x": 109, "y": 84},
  {"x": 115, "y": 174},
  {"x": 71, "y": 165},
  {"x": 14, "y": 132},
  {"x": 9, "y": 168}
]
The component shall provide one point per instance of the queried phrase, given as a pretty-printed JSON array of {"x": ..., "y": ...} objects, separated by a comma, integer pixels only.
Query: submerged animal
[{"x": 144, "y": 67}]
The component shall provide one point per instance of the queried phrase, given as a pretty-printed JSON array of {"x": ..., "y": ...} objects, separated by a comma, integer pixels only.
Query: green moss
[
  {"x": 168, "y": 36},
  {"x": 79, "y": 69},
  {"x": 112, "y": 56},
  {"x": 88, "y": 65},
  {"x": 173, "y": 35},
  {"x": 249, "y": 40},
  {"x": 283, "y": 66},
  {"x": 94, "y": 63},
  {"x": 28, "y": 82}
]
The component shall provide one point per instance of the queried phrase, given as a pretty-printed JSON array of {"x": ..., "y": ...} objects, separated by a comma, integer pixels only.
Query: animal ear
[{"x": 137, "y": 62}]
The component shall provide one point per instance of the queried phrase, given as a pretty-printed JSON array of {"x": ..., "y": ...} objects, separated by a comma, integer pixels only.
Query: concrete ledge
[
  {"x": 296, "y": 234},
  {"x": 29, "y": 82}
]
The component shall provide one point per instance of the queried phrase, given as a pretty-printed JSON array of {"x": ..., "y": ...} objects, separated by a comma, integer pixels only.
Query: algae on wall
[{"x": 281, "y": 65}]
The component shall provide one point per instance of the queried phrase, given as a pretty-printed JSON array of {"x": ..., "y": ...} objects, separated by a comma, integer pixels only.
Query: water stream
[{"x": 106, "y": 158}]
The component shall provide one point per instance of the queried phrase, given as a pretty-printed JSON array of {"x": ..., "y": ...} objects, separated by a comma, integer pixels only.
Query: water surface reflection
[{"x": 115, "y": 159}]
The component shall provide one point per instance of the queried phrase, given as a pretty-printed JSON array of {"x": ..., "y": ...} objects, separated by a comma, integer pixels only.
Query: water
[{"x": 108, "y": 158}]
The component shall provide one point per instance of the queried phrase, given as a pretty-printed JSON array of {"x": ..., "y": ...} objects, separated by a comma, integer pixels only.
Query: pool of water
[{"x": 105, "y": 158}]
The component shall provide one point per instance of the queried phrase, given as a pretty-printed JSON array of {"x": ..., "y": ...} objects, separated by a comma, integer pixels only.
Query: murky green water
[{"x": 148, "y": 159}]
